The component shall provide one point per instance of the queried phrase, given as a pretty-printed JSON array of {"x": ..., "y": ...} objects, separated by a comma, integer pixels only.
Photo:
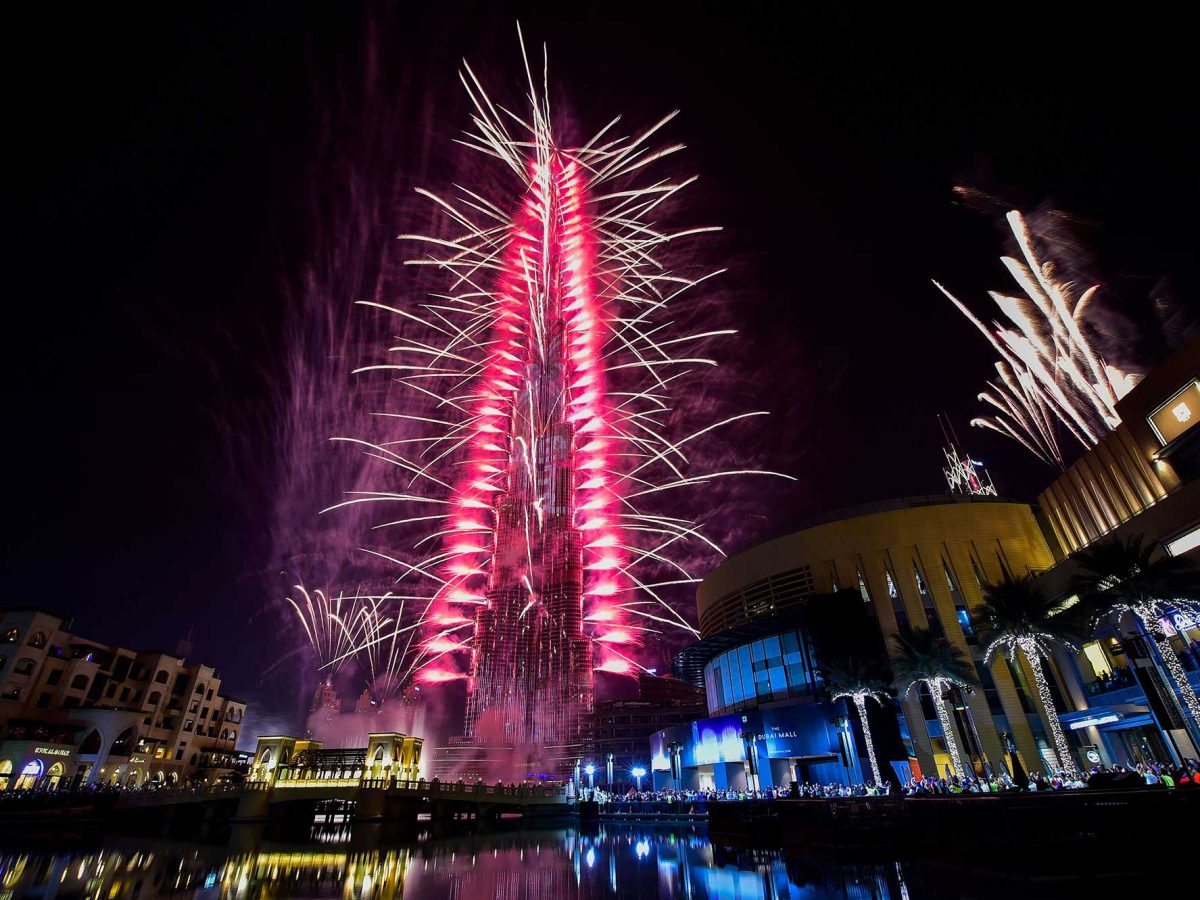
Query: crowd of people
[{"x": 1151, "y": 774}]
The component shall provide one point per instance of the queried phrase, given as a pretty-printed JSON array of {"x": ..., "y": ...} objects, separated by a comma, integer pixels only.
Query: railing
[{"x": 656, "y": 808}]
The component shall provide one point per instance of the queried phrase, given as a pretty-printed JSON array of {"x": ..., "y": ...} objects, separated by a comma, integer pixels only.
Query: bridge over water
[{"x": 296, "y": 799}]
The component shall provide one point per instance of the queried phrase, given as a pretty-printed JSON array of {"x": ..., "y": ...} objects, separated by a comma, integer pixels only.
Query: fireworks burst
[
  {"x": 1051, "y": 374},
  {"x": 328, "y": 625},
  {"x": 545, "y": 370}
]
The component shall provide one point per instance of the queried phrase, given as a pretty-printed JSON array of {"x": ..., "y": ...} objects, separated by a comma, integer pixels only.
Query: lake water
[{"x": 563, "y": 864}]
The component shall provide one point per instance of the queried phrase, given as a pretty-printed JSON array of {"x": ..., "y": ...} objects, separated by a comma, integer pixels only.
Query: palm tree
[
  {"x": 923, "y": 658},
  {"x": 1120, "y": 577},
  {"x": 1018, "y": 618},
  {"x": 854, "y": 682}
]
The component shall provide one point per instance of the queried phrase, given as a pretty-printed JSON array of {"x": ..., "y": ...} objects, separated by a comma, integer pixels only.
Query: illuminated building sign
[
  {"x": 1178, "y": 414},
  {"x": 1103, "y": 719},
  {"x": 1184, "y": 543},
  {"x": 1172, "y": 625},
  {"x": 51, "y": 751},
  {"x": 966, "y": 476}
]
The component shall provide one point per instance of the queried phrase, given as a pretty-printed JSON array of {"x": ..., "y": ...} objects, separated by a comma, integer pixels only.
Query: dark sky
[{"x": 151, "y": 217}]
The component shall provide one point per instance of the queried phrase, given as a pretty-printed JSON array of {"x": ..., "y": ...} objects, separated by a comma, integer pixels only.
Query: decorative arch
[
  {"x": 161, "y": 677},
  {"x": 199, "y": 689},
  {"x": 92, "y": 743},
  {"x": 37, "y": 640},
  {"x": 154, "y": 698},
  {"x": 25, "y": 666},
  {"x": 124, "y": 743}
]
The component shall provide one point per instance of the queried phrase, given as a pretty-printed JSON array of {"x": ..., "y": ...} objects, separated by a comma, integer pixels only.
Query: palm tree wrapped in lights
[
  {"x": 854, "y": 682},
  {"x": 1018, "y": 619},
  {"x": 1120, "y": 577},
  {"x": 921, "y": 658}
]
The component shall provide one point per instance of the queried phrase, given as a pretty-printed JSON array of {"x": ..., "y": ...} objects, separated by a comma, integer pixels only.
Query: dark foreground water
[{"x": 540, "y": 865}]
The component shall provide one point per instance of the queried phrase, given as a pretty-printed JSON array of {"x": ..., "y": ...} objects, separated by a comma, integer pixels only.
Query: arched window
[
  {"x": 91, "y": 744},
  {"x": 379, "y": 754},
  {"x": 154, "y": 697},
  {"x": 37, "y": 640},
  {"x": 195, "y": 756},
  {"x": 11, "y": 637},
  {"x": 199, "y": 689},
  {"x": 265, "y": 759},
  {"x": 79, "y": 682},
  {"x": 24, "y": 666},
  {"x": 233, "y": 735},
  {"x": 162, "y": 676}
]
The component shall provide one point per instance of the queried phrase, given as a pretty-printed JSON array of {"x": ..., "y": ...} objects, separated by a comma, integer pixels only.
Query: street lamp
[
  {"x": 590, "y": 770},
  {"x": 638, "y": 773}
]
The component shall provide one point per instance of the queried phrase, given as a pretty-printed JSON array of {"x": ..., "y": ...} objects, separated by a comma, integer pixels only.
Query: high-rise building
[{"x": 531, "y": 672}]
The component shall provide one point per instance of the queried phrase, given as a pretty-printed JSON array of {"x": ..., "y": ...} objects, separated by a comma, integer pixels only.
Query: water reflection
[{"x": 550, "y": 865}]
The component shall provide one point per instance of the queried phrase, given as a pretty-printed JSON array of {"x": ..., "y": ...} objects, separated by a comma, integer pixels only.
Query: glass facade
[{"x": 775, "y": 668}]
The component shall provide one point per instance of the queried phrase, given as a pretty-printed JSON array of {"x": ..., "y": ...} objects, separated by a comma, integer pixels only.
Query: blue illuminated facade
[
  {"x": 770, "y": 723},
  {"x": 778, "y": 667}
]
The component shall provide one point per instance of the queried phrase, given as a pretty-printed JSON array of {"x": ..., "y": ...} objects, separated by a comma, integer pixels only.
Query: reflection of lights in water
[
  {"x": 590, "y": 858},
  {"x": 643, "y": 849}
]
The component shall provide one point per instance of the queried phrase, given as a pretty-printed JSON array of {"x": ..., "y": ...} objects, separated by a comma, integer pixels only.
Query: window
[
  {"x": 70, "y": 702},
  {"x": 154, "y": 697},
  {"x": 24, "y": 666},
  {"x": 43, "y": 702},
  {"x": 37, "y": 640},
  {"x": 199, "y": 689},
  {"x": 124, "y": 694},
  {"x": 79, "y": 682},
  {"x": 11, "y": 636},
  {"x": 55, "y": 676},
  {"x": 161, "y": 677},
  {"x": 188, "y": 725},
  {"x": 12, "y": 692}
]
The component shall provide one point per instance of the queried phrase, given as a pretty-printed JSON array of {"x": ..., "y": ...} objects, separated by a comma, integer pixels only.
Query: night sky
[{"x": 153, "y": 213}]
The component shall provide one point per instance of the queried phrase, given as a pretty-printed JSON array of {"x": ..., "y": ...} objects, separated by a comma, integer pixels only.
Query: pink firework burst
[{"x": 546, "y": 368}]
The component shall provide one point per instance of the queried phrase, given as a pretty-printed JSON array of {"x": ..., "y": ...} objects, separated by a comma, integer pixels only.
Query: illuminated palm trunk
[
  {"x": 937, "y": 688},
  {"x": 860, "y": 704},
  {"x": 1171, "y": 658},
  {"x": 1034, "y": 658}
]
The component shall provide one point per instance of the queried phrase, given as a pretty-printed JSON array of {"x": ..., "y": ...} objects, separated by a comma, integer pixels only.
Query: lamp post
[
  {"x": 676, "y": 767},
  {"x": 608, "y": 769},
  {"x": 590, "y": 770},
  {"x": 750, "y": 747},
  {"x": 842, "y": 724},
  {"x": 638, "y": 774}
]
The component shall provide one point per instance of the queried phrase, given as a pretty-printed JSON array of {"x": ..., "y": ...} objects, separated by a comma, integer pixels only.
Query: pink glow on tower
[{"x": 541, "y": 564}]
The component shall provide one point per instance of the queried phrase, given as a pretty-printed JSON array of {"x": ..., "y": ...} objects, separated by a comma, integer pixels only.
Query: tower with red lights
[{"x": 539, "y": 466}]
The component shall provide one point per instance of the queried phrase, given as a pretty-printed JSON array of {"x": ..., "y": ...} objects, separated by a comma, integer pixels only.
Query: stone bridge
[{"x": 296, "y": 798}]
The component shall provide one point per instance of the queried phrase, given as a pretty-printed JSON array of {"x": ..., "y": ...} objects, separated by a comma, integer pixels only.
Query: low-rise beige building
[{"x": 76, "y": 710}]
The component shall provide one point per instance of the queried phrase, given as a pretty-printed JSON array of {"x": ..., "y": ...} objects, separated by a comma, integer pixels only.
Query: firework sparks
[
  {"x": 328, "y": 625},
  {"x": 547, "y": 366},
  {"x": 1050, "y": 374}
]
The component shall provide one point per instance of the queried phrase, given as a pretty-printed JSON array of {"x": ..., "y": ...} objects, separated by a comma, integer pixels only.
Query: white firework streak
[
  {"x": 452, "y": 356},
  {"x": 1051, "y": 375}
]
